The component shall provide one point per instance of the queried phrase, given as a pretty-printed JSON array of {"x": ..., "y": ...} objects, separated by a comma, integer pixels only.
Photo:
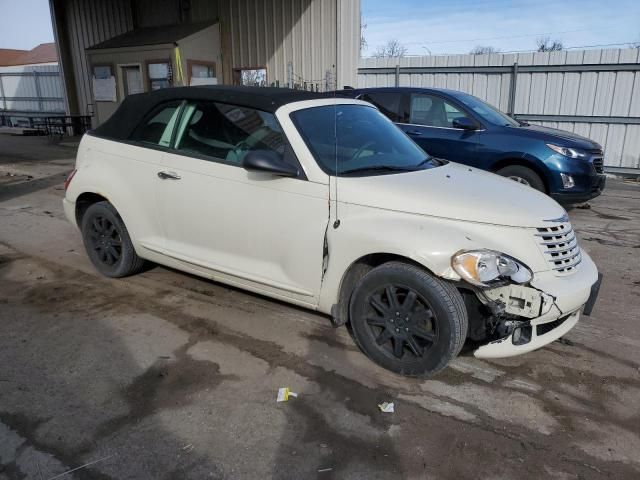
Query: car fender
[{"x": 425, "y": 240}]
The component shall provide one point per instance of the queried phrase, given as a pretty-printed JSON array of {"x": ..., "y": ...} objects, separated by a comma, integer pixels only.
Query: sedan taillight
[{"x": 69, "y": 178}]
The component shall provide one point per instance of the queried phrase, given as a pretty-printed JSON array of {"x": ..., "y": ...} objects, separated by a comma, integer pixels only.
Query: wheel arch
[
  {"x": 352, "y": 275},
  {"x": 522, "y": 162},
  {"x": 84, "y": 201}
]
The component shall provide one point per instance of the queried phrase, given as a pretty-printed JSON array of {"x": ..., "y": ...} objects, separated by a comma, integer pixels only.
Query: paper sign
[
  {"x": 104, "y": 89},
  {"x": 195, "y": 81}
]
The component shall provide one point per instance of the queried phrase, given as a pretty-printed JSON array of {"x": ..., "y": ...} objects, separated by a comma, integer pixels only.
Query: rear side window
[
  {"x": 390, "y": 104},
  {"x": 157, "y": 127},
  {"x": 228, "y": 132},
  {"x": 433, "y": 111}
]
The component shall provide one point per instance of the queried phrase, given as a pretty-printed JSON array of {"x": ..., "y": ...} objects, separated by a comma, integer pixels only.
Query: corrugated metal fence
[
  {"x": 30, "y": 91},
  {"x": 594, "y": 93}
]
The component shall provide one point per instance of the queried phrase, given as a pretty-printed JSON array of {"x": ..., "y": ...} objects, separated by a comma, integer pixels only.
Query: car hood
[
  {"x": 566, "y": 139},
  {"x": 453, "y": 191}
]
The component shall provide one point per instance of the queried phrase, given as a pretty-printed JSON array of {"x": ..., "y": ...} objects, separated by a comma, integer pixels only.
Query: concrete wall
[{"x": 595, "y": 93}]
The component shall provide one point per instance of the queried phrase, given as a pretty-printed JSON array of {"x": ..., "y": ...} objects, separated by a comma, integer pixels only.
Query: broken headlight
[{"x": 485, "y": 268}]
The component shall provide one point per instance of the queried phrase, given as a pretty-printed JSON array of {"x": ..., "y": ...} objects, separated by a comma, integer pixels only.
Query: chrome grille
[
  {"x": 560, "y": 246},
  {"x": 598, "y": 165}
]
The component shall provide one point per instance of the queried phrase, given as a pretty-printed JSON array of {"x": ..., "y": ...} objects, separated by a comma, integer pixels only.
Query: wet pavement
[{"x": 165, "y": 375}]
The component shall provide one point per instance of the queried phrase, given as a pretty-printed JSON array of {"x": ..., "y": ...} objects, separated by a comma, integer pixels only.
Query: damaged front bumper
[{"x": 541, "y": 313}]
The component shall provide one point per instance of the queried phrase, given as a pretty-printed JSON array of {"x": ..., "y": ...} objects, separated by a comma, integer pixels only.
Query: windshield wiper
[
  {"x": 378, "y": 168},
  {"x": 436, "y": 162}
]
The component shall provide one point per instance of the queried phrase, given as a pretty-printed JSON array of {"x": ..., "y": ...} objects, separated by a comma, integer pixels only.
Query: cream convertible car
[{"x": 417, "y": 254}]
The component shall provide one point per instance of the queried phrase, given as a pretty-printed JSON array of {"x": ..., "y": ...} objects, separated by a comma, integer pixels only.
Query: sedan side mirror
[
  {"x": 269, "y": 162},
  {"x": 464, "y": 123}
]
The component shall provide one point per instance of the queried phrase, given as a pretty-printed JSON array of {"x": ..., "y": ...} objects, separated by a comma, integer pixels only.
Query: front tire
[
  {"x": 406, "y": 320},
  {"x": 523, "y": 175},
  {"x": 107, "y": 242}
]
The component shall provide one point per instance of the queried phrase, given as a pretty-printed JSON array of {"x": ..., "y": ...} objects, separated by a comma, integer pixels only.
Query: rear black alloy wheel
[
  {"x": 401, "y": 321},
  {"x": 406, "y": 320},
  {"x": 107, "y": 242}
]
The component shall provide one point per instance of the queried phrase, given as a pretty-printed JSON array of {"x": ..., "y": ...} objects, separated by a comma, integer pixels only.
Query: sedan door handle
[
  {"x": 414, "y": 132},
  {"x": 169, "y": 175}
]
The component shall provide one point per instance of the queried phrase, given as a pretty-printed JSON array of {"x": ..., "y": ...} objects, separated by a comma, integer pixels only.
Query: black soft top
[{"x": 135, "y": 107}]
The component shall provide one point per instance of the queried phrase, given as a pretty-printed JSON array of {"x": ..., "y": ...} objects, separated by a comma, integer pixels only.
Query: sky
[
  {"x": 24, "y": 24},
  {"x": 457, "y": 26},
  {"x": 425, "y": 26}
]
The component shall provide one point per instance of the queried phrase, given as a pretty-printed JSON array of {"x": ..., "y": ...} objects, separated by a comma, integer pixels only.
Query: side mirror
[
  {"x": 465, "y": 123},
  {"x": 269, "y": 162}
]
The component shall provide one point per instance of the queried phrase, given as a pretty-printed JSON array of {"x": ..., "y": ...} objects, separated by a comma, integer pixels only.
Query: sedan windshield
[
  {"x": 486, "y": 111},
  {"x": 358, "y": 140}
]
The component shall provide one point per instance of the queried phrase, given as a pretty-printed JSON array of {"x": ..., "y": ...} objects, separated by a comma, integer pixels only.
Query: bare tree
[
  {"x": 363, "y": 40},
  {"x": 484, "y": 50},
  {"x": 393, "y": 48},
  {"x": 546, "y": 45},
  {"x": 254, "y": 78}
]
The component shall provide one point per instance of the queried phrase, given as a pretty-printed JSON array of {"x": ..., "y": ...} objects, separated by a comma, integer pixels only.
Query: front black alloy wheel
[
  {"x": 407, "y": 320},
  {"x": 401, "y": 321},
  {"x": 107, "y": 242}
]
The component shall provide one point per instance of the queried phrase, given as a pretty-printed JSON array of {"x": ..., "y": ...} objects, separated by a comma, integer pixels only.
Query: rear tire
[
  {"x": 406, "y": 320},
  {"x": 107, "y": 242},
  {"x": 523, "y": 175}
]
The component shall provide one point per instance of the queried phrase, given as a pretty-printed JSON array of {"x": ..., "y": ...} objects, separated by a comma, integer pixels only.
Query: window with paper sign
[
  {"x": 104, "y": 83},
  {"x": 159, "y": 74},
  {"x": 201, "y": 73}
]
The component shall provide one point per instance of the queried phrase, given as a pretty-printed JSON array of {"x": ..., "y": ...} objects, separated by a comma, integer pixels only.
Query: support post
[
  {"x": 397, "y": 75},
  {"x": 38, "y": 91},
  {"x": 4, "y": 100},
  {"x": 511, "y": 109}
]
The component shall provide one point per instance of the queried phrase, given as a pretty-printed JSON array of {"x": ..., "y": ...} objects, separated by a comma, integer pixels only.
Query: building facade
[{"x": 125, "y": 46}]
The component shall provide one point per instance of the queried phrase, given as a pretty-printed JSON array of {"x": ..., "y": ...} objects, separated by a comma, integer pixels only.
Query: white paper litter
[
  {"x": 284, "y": 393},
  {"x": 387, "y": 407}
]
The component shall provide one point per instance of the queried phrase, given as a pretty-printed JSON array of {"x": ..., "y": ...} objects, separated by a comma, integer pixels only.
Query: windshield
[
  {"x": 357, "y": 139},
  {"x": 486, "y": 111}
]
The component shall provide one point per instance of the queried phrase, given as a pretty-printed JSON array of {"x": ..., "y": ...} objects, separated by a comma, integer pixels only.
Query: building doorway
[{"x": 131, "y": 79}]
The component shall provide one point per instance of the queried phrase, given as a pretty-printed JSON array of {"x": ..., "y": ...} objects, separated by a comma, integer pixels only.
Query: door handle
[
  {"x": 414, "y": 132},
  {"x": 169, "y": 175}
]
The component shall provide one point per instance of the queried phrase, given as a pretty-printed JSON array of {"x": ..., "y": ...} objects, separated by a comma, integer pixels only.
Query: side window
[
  {"x": 157, "y": 127},
  {"x": 228, "y": 132},
  {"x": 389, "y": 103},
  {"x": 433, "y": 111}
]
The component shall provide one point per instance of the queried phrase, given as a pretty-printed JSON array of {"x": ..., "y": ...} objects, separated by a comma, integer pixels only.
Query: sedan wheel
[
  {"x": 519, "y": 180},
  {"x": 406, "y": 320},
  {"x": 524, "y": 176}
]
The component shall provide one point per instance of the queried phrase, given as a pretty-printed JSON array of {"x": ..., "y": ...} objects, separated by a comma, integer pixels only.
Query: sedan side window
[
  {"x": 433, "y": 111},
  {"x": 390, "y": 104},
  {"x": 157, "y": 128},
  {"x": 228, "y": 132}
]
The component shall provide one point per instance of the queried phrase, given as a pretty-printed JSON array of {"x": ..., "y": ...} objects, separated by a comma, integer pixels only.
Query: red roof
[
  {"x": 43, "y": 53},
  {"x": 8, "y": 56}
]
